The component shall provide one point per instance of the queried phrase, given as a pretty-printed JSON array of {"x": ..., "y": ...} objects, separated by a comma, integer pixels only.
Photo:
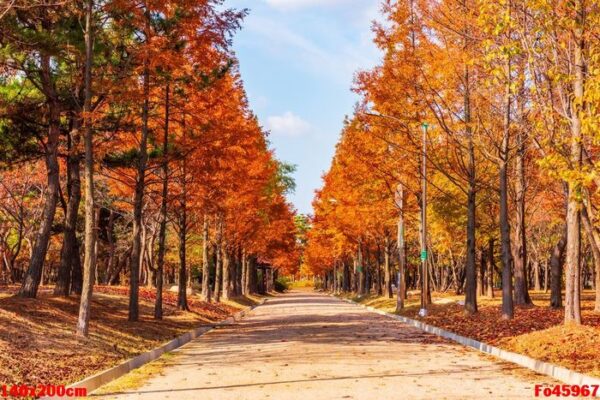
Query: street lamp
[
  {"x": 424, "y": 274},
  {"x": 424, "y": 271}
]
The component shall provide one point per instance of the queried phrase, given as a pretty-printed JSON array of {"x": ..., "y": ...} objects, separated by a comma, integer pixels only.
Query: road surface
[{"x": 310, "y": 346}]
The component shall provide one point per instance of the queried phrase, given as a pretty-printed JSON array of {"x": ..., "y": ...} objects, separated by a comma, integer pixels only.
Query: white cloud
[
  {"x": 336, "y": 58},
  {"x": 287, "y": 124}
]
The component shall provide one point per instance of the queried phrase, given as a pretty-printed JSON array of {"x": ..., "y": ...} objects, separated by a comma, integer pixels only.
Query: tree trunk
[
  {"x": 269, "y": 285},
  {"x": 507, "y": 288},
  {"x": 218, "y": 261},
  {"x": 556, "y": 267},
  {"x": 226, "y": 273},
  {"x": 33, "y": 275},
  {"x": 205, "y": 264},
  {"x": 113, "y": 277},
  {"x": 573, "y": 252},
  {"x": 471, "y": 266},
  {"x": 536, "y": 276},
  {"x": 89, "y": 260},
  {"x": 546, "y": 276},
  {"x": 572, "y": 261},
  {"x": 113, "y": 257},
  {"x": 336, "y": 277},
  {"x": 16, "y": 249},
  {"x": 367, "y": 268},
  {"x": 252, "y": 278},
  {"x": 401, "y": 286},
  {"x": 353, "y": 285},
  {"x": 507, "y": 281},
  {"x": 594, "y": 240},
  {"x": 143, "y": 265},
  {"x": 361, "y": 271},
  {"x": 521, "y": 293},
  {"x": 237, "y": 282},
  {"x": 69, "y": 247},
  {"x": 481, "y": 275},
  {"x": 77, "y": 271},
  {"x": 138, "y": 202},
  {"x": 245, "y": 274},
  {"x": 345, "y": 277},
  {"x": 182, "y": 303},
  {"x": 491, "y": 268},
  {"x": 387, "y": 268},
  {"x": 162, "y": 234}
]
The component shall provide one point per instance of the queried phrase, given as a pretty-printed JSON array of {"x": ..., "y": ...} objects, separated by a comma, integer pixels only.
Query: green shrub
[{"x": 282, "y": 284}]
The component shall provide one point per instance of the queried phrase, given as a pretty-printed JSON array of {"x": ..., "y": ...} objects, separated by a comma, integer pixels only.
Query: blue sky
[{"x": 297, "y": 59}]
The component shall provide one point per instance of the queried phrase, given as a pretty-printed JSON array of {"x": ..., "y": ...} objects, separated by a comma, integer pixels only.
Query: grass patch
[
  {"x": 244, "y": 302},
  {"x": 136, "y": 378},
  {"x": 302, "y": 284}
]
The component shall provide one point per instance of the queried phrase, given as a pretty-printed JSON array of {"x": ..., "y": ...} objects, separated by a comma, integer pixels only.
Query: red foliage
[{"x": 210, "y": 310}]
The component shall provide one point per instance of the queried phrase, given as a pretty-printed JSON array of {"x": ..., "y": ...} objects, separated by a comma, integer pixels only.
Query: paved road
[{"x": 310, "y": 346}]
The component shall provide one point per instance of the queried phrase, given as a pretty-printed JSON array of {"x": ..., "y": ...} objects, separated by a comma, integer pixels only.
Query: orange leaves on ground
[
  {"x": 537, "y": 332},
  {"x": 571, "y": 346},
  {"x": 487, "y": 325},
  {"x": 38, "y": 342},
  {"x": 209, "y": 311}
]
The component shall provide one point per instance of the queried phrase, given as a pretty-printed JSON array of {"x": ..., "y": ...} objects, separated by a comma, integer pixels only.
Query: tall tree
[{"x": 89, "y": 263}]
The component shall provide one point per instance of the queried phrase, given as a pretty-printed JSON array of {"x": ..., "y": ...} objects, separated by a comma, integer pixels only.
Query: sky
[{"x": 298, "y": 59}]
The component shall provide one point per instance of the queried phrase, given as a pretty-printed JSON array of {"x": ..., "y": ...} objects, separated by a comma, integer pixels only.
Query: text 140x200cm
[{"x": 41, "y": 391}]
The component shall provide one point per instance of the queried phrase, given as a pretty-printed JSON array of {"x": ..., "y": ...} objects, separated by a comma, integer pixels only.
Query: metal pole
[
  {"x": 401, "y": 284},
  {"x": 424, "y": 272}
]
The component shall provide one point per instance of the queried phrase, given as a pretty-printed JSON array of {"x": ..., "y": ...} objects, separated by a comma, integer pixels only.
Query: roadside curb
[
  {"x": 554, "y": 371},
  {"x": 102, "y": 378}
]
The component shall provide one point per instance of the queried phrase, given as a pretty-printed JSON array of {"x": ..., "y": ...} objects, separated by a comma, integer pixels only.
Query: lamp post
[
  {"x": 424, "y": 274},
  {"x": 424, "y": 271}
]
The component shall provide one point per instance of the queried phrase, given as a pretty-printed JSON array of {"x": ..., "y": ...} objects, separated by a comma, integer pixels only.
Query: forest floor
[
  {"x": 305, "y": 345},
  {"x": 537, "y": 331},
  {"x": 38, "y": 344}
]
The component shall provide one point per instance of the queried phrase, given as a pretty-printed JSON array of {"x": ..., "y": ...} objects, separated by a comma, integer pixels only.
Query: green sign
[
  {"x": 359, "y": 269},
  {"x": 424, "y": 255}
]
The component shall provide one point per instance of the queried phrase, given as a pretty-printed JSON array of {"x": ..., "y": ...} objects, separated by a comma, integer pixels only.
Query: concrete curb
[
  {"x": 102, "y": 378},
  {"x": 557, "y": 372}
]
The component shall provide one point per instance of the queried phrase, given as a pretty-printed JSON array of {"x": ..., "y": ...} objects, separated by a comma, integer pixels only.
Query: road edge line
[
  {"x": 99, "y": 379},
  {"x": 557, "y": 372}
]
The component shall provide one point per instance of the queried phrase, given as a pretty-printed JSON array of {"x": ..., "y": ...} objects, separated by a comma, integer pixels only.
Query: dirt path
[{"x": 310, "y": 346}]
